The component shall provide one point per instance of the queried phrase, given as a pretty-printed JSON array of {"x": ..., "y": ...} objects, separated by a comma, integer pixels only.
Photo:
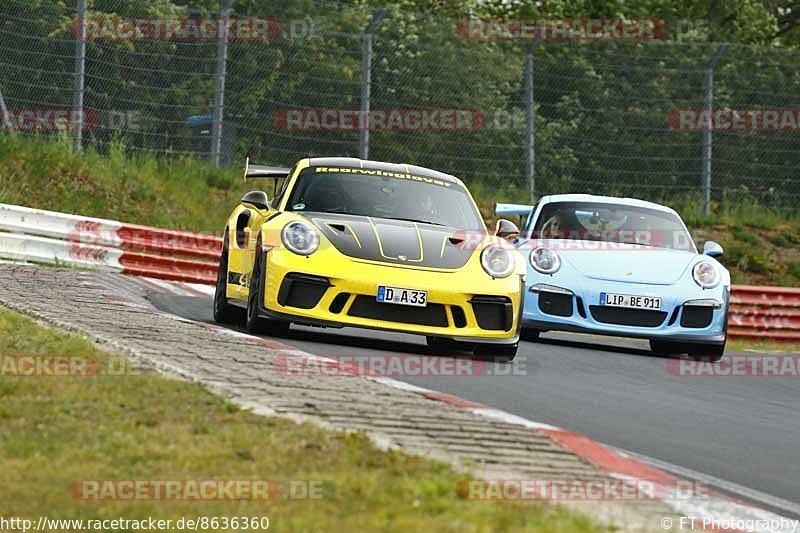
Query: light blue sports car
[{"x": 623, "y": 267}]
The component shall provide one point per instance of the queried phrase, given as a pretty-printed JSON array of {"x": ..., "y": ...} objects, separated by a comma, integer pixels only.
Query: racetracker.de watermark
[
  {"x": 607, "y": 489},
  {"x": 777, "y": 119},
  {"x": 64, "y": 366},
  {"x": 605, "y": 29},
  {"x": 379, "y": 120},
  {"x": 143, "y": 237},
  {"x": 735, "y": 366},
  {"x": 43, "y": 120},
  {"x": 399, "y": 365},
  {"x": 562, "y": 239},
  {"x": 168, "y": 490},
  {"x": 191, "y": 29},
  {"x": 620, "y": 240}
]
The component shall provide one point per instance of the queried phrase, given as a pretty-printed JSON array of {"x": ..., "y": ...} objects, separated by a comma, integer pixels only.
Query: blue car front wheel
[
  {"x": 713, "y": 352},
  {"x": 528, "y": 334}
]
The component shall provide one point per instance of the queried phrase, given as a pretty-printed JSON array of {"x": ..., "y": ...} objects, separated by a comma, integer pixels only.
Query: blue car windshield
[
  {"x": 383, "y": 194},
  {"x": 624, "y": 224}
]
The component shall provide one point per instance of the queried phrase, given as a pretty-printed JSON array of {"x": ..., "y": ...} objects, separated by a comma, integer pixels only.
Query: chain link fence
[{"x": 602, "y": 119}]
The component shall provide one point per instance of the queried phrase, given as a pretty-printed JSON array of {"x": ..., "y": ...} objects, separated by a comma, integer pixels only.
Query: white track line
[
  {"x": 763, "y": 498},
  {"x": 206, "y": 290}
]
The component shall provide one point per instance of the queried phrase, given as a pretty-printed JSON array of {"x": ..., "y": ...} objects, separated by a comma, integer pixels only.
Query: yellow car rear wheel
[{"x": 224, "y": 312}]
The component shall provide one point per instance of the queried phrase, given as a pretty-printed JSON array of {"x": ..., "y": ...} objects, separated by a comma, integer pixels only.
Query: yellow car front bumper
[{"x": 331, "y": 289}]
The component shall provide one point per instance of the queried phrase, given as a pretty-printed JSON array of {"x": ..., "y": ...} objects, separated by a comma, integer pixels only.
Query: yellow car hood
[{"x": 397, "y": 241}]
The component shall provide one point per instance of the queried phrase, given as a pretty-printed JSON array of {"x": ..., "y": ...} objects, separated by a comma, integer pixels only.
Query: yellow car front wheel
[
  {"x": 500, "y": 353},
  {"x": 254, "y": 322},
  {"x": 445, "y": 346}
]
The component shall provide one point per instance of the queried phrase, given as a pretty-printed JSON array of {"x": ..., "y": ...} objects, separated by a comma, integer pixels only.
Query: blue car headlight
[
  {"x": 706, "y": 274},
  {"x": 545, "y": 260},
  {"x": 300, "y": 238}
]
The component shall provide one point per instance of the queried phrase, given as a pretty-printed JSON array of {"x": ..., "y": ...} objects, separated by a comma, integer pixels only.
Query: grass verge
[
  {"x": 138, "y": 425},
  {"x": 170, "y": 192},
  {"x": 736, "y": 345}
]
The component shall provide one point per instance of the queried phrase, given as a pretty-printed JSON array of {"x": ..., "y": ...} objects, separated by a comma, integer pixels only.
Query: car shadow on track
[
  {"x": 368, "y": 342},
  {"x": 597, "y": 347},
  {"x": 199, "y": 309}
]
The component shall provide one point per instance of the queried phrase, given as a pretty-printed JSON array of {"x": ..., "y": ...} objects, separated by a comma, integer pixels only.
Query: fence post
[
  {"x": 366, "y": 81},
  {"x": 709, "y": 87},
  {"x": 6, "y": 120},
  {"x": 80, "y": 76},
  {"x": 219, "y": 83},
  {"x": 530, "y": 127}
]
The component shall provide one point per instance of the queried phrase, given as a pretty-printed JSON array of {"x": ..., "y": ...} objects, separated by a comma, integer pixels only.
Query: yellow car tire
[
  {"x": 254, "y": 322},
  {"x": 224, "y": 312}
]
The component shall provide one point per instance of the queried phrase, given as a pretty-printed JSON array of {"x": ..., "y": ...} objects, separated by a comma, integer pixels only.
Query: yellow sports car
[{"x": 347, "y": 242}]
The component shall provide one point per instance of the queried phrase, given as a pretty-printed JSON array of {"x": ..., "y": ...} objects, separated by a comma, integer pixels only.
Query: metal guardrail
[
  {"x": 57, "y": 238},
  {"x": 765, "y": 313},
  {"x": 757, "y": 313}
]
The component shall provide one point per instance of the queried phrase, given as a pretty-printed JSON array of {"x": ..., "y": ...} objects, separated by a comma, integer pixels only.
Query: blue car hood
[{"x": 628, "y": 263}]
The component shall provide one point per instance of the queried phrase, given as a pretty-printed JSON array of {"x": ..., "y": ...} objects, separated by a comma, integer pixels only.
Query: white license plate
[
  {"x": 396, "y": 295},
  {"x": 629, "y": 300}
]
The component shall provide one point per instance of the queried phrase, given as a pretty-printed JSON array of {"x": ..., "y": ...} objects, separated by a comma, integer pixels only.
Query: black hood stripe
[
  {"x": 398, "y": 239},
  {"x": 393, "y": 241}
]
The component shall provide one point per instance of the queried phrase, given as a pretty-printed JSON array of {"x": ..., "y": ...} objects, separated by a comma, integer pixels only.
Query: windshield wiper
[
  {"x": 639, "y": 243},
  {"x": 417, "y": 221}
]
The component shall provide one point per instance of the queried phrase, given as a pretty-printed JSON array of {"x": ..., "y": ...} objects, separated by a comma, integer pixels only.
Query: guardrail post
[
  {"x": 366, "y": 81},
  {"x": 80, "y": 76},
  {"x": 530, "y": 126},
  {"x": 219, "y": 83},
  {"x": 709, "y": 87}
]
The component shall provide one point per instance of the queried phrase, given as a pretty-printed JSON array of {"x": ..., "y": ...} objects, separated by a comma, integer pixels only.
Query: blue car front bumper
[{"x": 688, "y": 313}]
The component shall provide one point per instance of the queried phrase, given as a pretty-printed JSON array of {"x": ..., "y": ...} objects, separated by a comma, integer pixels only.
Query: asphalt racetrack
[{"x": 744, "y": 430}]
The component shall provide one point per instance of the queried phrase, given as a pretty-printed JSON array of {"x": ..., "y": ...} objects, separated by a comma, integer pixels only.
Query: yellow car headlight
[
  {"x": 497, "y": 261},
  {"x": 300, "y": 238}
]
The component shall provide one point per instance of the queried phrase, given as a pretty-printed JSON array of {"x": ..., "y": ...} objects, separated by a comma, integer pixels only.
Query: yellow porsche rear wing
[{"x": 264, "y": 172}]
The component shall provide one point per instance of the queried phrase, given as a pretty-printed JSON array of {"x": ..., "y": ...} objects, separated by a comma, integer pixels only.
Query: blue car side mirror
[{"x": 712, "y": 249}]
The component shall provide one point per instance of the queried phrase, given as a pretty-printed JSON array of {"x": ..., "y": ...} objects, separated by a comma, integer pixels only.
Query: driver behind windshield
[
  {"x": 560, "y": 225},
  {"x": 325, "y": 196},
  {"x": 607, "y": 223},
  {"x": 442, "y": 203}
]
